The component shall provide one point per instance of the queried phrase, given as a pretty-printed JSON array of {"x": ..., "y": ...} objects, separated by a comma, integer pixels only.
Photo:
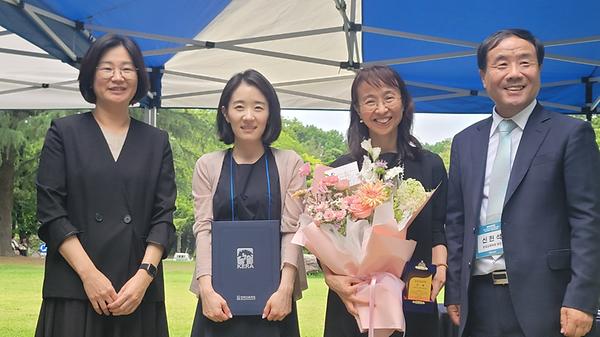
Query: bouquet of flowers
[{"x": 360, "y": 230}]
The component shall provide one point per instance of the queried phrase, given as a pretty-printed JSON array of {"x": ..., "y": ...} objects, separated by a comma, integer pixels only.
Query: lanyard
[{"x": 232, "y": 187}]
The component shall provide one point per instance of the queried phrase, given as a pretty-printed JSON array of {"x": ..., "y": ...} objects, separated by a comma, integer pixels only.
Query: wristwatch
[{"x": 149, "y": 268}]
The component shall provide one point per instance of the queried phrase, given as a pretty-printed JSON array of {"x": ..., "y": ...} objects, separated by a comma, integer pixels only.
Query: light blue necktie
[{"x": 500, "y": 172}]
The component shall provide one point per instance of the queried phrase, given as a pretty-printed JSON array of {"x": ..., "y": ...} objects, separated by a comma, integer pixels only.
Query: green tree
[
  {"x": 325, "y": 146},
  {"x": 596, "y": 126},
  {"x": 191, "y": 133},
  {"x": 442, "y": 148},
  {"x": 21, "y": 138}
]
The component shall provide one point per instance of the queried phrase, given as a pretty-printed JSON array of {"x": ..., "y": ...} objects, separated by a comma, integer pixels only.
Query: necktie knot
[{"x": 506, "y": 126}]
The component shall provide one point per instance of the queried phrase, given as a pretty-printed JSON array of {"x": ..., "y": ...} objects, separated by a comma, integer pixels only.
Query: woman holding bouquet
[
  {"x": 382, "y": 110},
  {"x": 249, "y": 117}
]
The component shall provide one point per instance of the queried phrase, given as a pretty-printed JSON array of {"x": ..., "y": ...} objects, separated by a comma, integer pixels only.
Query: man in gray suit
[{"x": 523, "y": 217}]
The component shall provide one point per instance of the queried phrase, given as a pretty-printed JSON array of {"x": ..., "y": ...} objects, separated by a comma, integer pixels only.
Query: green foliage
[
  {"x": 442, "y": 148},
  {"x": 312, "y": 143},
  {"x": 23, "y": 132},
  {"x": 596, "y": 126},
  {"x": 192, "y": 133}
]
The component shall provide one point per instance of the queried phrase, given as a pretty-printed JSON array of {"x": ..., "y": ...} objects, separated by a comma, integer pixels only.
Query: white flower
[
  {"x": 375, "y": 153},
  {"x": 366, "y": 145},
  {"x": 393, "y": 172},
  {"x": 368, "y": 170}
]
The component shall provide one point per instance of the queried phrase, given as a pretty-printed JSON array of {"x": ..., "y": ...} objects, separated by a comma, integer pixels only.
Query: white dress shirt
[{"x": 489, "y": 264}]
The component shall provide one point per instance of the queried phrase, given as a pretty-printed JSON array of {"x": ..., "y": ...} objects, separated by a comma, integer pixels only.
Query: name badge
[{"x": 489, "y": 240}]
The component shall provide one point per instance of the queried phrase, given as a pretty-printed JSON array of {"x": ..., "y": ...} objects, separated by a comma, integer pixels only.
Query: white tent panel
[
  {"x": 35, "y": 82},
  {"x": 296, "y": 65}
]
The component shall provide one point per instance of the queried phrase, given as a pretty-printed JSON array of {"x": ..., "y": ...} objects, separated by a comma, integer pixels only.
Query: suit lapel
[
  {"x": 534, "y": 133},
  {"x": 479, "y": 148}
]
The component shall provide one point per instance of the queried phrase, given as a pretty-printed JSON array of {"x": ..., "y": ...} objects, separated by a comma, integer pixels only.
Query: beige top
[
  {"x": 204, "y": 184},
  {"x": 115, "y": 142}
]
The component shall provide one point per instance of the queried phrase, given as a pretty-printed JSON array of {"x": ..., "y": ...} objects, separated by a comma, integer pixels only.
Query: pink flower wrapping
[
  {"x": 334, "y": 228},
  {"x": 380, "y": 255}
]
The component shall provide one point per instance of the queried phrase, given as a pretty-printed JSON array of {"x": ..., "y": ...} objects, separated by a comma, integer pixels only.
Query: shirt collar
[{"x": 520, "y": 118}]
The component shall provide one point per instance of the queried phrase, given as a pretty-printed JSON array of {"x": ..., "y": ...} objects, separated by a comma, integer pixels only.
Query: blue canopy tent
[
  {"x": 309, "y": 49},
  {"x": 433, "y": 44}
]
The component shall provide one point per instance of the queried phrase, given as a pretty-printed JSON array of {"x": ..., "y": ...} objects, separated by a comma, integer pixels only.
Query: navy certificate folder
[{"x": 246, "y": 257}]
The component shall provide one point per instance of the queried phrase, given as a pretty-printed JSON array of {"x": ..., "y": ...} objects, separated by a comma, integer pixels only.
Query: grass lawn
[{"x": 21, "y": 292}]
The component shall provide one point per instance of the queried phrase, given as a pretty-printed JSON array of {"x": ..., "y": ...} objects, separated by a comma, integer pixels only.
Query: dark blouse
[{"x": 250, "y": 185}]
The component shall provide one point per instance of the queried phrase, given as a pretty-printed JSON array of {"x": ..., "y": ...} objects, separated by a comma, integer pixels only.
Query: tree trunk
[{"x": 7, "y": 180}]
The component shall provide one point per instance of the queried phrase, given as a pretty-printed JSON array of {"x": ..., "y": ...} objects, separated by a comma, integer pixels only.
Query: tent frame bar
[
  {"x": 454, "y": 42},
  {"x": 26, "y": 53},
  {"x": 33, "y": 13},
  {"x": 350, "y": 29},
  {"x": 425, "y": 58},
  {"x": 418, "y": 37},
  {"x": 278, "y": 87}
]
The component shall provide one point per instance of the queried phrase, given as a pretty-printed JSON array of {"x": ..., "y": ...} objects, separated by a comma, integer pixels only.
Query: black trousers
[{"x": 491, "y": 312}]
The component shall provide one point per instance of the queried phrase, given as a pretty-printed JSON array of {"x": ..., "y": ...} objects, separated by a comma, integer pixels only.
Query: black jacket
[{"x": 115, "y": 208}]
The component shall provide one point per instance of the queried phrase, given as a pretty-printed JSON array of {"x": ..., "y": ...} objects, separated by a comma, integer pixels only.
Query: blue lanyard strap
[
  {"x": 268, "y": 184},
  {"x": 232, "y": 187}
]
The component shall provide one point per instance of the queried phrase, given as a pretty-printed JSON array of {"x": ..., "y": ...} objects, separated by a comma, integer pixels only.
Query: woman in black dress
[
  {"x": 382, "y": 110},
  {"x": 249, "y": 118},
  {"x": 106, "y": 196}
]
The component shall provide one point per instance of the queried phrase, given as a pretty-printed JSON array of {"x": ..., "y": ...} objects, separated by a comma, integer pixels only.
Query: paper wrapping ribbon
[{"x": 383, "y": 314}]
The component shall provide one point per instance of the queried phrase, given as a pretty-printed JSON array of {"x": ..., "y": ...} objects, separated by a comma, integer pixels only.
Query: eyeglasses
[
  {"x": 126, "y": 72},
  {"x": 371, "y": 104}
]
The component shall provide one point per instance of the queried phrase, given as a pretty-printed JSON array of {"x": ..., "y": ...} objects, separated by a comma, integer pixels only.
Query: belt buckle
[{"x": 500, "y": 277}]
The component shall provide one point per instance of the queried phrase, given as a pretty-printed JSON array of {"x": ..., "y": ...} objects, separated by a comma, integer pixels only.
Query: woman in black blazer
[
  {"x": 382, "y": 110},
  {"x": 106, "y": 196}
]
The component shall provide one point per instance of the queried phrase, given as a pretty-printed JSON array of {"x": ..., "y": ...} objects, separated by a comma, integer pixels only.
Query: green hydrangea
[{"x": 410, "y": 194}]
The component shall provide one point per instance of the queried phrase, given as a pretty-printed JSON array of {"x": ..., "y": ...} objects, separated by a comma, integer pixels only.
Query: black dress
[
  {"x": 115, "y": 208},
  {"x": 427, "y": 230},
  {"x": 250, "y": 203}
]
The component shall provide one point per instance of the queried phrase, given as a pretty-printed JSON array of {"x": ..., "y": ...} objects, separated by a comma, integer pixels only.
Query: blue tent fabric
[
  {"x": 182, "y": 19},
  {"x": 15, "y": 20},
  {"x": 471, "y": 21},
  {"x": 147, "y": 16},
  {"x": 432, "y": 44}
]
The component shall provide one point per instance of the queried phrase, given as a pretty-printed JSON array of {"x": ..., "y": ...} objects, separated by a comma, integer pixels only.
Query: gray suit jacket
[{"x": 550, "y": 220}]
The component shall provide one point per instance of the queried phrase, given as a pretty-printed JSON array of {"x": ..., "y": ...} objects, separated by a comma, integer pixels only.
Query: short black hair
[
  {"x": 379, "y": 75},
  {"x": 257, "y": 80},
  {"x": 493, "y": 40},
  {"x": 87, "y": 70}
]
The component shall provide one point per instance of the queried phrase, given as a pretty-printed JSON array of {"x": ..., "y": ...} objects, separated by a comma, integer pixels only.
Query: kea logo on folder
[
  {"x": 246, "y": 263},
  {"x": 245, "y": 258}
]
